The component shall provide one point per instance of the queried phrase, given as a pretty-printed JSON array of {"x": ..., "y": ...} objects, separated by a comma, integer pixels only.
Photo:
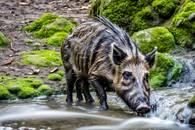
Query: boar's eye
[{"x": 127, "y": 75}]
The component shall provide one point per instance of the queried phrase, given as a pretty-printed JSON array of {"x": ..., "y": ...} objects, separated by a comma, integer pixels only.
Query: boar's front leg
[
  {"x": 70, "y": 80},
  {"x": 88, "y": 98},
  {"x": 98, "y": 84}
]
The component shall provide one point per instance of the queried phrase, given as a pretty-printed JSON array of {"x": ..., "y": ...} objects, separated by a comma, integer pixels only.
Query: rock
[
  {"x": 59, "y": 25},
  {"x": 4, "y": 93},
  {"x": 55, "y": 77},
  {"x": 27, "y": 92},
  {"x": 158, "y": 37},
  {"x": 166, "y": 69},
  {"x": 42, "y": 58},
  {"x": 57, "y": 39},
  {"x": 191, "y": 102},
  {"x": 45, "y": 90},
  {"x": 42, "y": 21},
  {"x": 183, "y": 25},
  {"x": 165, "y": 8},
  {"x": 52, "y": 27}
]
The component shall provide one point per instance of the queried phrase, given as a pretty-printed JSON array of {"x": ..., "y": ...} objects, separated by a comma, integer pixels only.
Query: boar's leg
[
  {"x": 78, "y": 85},
  {"x": 88, "y": 98},
  {"x": 101, "y": 93},
  {"x": 70, "y": 80}
]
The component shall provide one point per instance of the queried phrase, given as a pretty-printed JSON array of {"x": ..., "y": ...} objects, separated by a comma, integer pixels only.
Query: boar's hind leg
[
  {"x": 88, "y": 98},
  {"x": 79, "y": 90},
  {"x": 82, "y": 86},
  {"x": 98, "y": 84},
  {"x": 70, "y": 80}
]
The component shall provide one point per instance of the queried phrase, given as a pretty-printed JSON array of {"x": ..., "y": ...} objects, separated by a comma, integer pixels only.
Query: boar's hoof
[{"x": 104, "y": 107}]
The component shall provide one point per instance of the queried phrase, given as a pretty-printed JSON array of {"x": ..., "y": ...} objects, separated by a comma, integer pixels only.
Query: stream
[{"x": 169, "y": 111}]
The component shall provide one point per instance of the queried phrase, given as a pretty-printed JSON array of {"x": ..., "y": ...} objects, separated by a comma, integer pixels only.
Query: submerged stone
[
  {"x": 42, "y": 58},
  {"x": 191, "y": 102}
]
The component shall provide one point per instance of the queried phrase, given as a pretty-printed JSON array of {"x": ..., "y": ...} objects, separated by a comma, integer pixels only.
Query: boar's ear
[
  {"x": 150, "y": 57},
  {"x": 118, "y": 55}
]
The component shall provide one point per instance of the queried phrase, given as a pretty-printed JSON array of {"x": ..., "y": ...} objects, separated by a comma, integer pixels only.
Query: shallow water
[{"x": 54, "y": 114}]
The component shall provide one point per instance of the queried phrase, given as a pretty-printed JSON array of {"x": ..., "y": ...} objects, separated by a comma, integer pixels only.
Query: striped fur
[{"x": 88, "y": 52}]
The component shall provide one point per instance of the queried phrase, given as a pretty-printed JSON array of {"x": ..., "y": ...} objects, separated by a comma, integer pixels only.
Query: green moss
[
  {"x": 55, "y": 77},
  {"x": 165, "y": 8},
  {"x": 42, "y": 21},
  {"x": 158, "y": 37},
  {"x": 4, "y": 93},
  {"x": 42, "y": 58},
  {"x": 122, "y": 12},
  {"x": 158, "y": 81},
  {"x": 45, "y": 90},
  {"x": 191, "y": 102},
  {"x": 57, "y": 39},
  {"x": 183, "y": 25},
  {"x": 144, "y": 19},
  {"x": 23, "y": 87},
  {"x": 166, "y": 69},
  {"x": 59, "y": 25},
  {"x": 3, "y": 39},
  {"x": 61, "y": 72},
  {"x": 15, "y": 85},
  {"x": 27, "y": 92},
  {"x": 97, "y": 6}
]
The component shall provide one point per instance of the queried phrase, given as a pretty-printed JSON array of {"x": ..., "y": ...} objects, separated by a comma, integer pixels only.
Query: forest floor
[{"x": 15, "y": 14}]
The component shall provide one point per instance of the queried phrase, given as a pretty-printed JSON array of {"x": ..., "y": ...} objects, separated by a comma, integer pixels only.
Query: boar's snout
[{"x": 143, "y": 108}]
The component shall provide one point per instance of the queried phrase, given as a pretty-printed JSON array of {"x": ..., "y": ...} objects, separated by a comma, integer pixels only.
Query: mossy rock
[
  {"x": 165, "y": 8},
  {"x": 159, "y": 37},
  {"x": 129, "y": 14},
  {"x": 27, "y": 92},
  {"x": 42, "y": 58},
  {"x": 3, "y": 39},
  {"x": 4, "y": 93},
  {"x": 40, "y": 22},
  {"x": 97, "y": 6},
  {"x": 59, "y": 25},
  {"x": 57, "y": 39},
  {"x": 166, "y": 69},
  {"x": 61, "y": 72},
  {"x": 191, "y": 102},
  {"x": 15, "y": 85},
  {"x": 143, "y": 19},
  {"x": 45, "y": 90},
  {"x": 22, "y": 88},
  {"x": 183, "y": 25},
  {"x": 55, "y": 77}
]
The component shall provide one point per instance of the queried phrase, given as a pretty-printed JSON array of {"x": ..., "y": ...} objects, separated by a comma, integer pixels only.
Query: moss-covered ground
[
  {"x": 22, "y": 88},
  {"x": 42, "y": 58}
]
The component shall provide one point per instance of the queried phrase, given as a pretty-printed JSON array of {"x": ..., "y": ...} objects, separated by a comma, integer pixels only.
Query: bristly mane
[{"x": 122, "y": 35}]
